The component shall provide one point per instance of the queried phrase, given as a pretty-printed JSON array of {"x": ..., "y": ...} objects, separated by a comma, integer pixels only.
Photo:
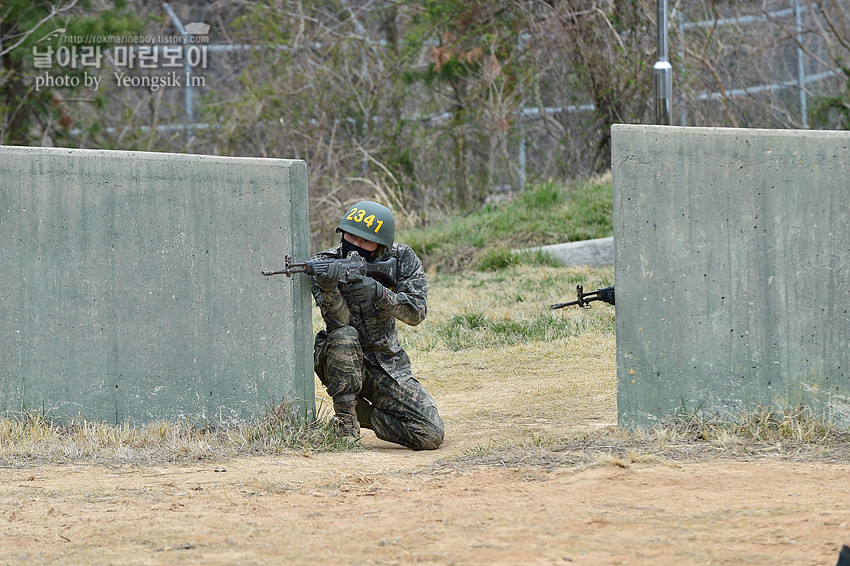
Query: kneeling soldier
[{"x": 358, "y": 357}]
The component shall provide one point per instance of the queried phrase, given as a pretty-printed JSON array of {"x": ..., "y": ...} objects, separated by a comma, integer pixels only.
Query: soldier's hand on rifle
[
  {"x": 364, "y": 288},
  {"x": 328, "y": 280}
]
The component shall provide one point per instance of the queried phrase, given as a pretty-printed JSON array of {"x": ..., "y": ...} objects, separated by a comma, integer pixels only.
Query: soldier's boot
[
  {"x": 344, "y": 420},
  {"x": 364, "y": 411}
]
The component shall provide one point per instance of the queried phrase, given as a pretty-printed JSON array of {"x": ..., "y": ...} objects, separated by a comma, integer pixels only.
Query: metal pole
[
  {"x": 190, "y": 114},
  {"x": 662, "y": 71},
  {"x": 801, "y": 69},
  {"x": 522, "y": 155},
  {"x": 681, "y": 17}
]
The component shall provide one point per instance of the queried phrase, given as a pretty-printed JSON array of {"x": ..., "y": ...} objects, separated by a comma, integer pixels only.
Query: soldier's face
[{"x": 360, "y": 242}]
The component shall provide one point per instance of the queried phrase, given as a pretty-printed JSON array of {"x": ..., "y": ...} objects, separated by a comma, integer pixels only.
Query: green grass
[
  {"x": 491, "y": 309},
  {"x": 544, "y": 214},
  {"x": 496, "y": 258},
  {"x": 477, "y": 330}
]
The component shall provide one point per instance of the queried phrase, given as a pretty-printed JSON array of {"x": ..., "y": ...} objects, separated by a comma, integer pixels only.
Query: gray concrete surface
[
  {"x": 130, "y": 286},
  {"x": 732, "y": 271},
  {"x": 591, "y": 253}
]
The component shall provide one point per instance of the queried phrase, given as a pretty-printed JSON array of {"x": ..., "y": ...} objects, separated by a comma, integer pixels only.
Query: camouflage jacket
[{"x": 375, "y": 321}]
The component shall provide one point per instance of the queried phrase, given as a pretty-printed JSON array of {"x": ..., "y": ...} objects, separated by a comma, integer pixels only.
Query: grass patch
[
  {"x": 511, "y": 306},
  {"x": 544, "y": 214},
  {"x": 33, "y": 438},
  {"x": 477, "y": 330},
  {"x": 762, "y": 425},
  {"x": 793, "y": 435},
  {"x": 498, "y": 258}
]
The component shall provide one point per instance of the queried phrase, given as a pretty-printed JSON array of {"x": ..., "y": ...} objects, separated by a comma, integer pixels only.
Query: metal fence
[
  {"x": 808, "y": 70},
  {"x": 804, "y": 77},
  {"x": 749, "y": 64}
]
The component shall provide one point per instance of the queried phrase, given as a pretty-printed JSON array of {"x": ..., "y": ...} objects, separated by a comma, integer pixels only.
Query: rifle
[
  {"x": 584, "y": 299},
  {"x": 383, "y": 271}
]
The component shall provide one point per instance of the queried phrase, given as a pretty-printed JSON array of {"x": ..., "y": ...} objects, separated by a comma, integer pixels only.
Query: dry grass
[
  {"x": 34, "y": 439},
  {"x": 795, "y": 435},
  {"x": 562, "y": 384},
  {"x": 763, "y": 425}
]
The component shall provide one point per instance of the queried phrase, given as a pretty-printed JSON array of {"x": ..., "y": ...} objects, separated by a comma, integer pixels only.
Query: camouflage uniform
[{"x": 358, "y": 354}]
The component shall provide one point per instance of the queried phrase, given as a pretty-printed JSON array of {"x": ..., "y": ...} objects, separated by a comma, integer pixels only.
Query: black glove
[
  {"x": 328, "y": 280},
  {"x": 364, "y": 288}
]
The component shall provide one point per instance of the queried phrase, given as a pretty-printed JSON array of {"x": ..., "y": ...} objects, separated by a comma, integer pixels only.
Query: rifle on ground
[
  {"x": 383, "y": 271},
  {"x": 584, "y": 299}
]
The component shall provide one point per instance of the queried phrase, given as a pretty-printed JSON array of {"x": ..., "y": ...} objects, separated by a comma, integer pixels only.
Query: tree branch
[{"x": 53, "y": 13}]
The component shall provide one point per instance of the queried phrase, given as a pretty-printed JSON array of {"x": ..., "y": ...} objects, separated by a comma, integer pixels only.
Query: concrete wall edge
[{"x": 148, "y": 155}]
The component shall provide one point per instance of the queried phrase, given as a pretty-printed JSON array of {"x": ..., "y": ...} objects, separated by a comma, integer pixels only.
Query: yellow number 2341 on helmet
[{"x": 371, "y": 221}]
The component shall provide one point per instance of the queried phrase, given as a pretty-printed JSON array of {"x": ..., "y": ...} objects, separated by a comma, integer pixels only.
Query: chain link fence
[
  {"x": 752, "y": 65},
  {"x": 542, "y": 110}
]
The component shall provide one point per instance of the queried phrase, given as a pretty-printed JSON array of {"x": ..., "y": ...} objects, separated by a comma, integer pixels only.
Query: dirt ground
[{"x": 388, "y": 505}]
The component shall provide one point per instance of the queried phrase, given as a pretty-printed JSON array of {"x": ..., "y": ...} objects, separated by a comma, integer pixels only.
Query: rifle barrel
[{"x": 562, "y": 305}]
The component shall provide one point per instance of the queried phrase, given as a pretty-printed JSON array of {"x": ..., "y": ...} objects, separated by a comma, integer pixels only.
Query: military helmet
[{"x": 371, "y": 221}]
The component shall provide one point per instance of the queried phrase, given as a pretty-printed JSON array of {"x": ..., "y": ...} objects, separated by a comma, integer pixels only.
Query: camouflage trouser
[{"x": 401, "y": 410}]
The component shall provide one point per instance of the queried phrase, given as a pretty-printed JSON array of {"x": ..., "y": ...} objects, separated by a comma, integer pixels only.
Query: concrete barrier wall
[
  {"x": 130, "y": 286},
  {"x": 732, "y": 268}
]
